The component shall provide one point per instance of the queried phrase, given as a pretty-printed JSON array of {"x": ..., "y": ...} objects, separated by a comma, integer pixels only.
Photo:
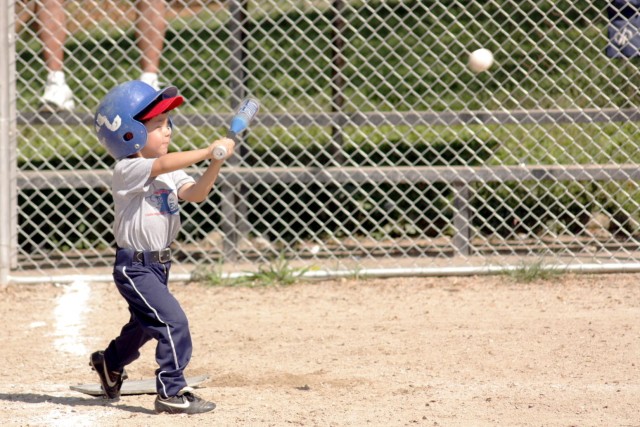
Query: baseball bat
[{"x": 239, "y": 122}]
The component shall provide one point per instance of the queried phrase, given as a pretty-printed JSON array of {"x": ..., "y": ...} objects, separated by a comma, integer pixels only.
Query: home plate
[{"x": 146, "y": 386}]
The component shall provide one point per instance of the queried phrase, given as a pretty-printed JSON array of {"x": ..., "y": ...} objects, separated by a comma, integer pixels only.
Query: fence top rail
[
  {"x": 412, "y": 118},
  {"x": 101, "y": 178}
]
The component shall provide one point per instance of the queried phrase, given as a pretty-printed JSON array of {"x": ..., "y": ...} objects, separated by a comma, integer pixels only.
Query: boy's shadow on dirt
[{"x": 72, "y": 401}]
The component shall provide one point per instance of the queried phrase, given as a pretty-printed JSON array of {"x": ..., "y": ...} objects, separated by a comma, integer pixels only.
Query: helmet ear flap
[
  {"x": 121, "y": 136},
  {"x": 133, "y": 137}
]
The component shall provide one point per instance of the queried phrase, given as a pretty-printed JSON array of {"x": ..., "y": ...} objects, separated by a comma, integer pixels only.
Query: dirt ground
[{"x": 457, "y": 351}]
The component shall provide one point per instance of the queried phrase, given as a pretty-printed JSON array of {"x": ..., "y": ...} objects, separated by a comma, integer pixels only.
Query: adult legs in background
[
  {"x": 151, "y": 26},
  {"x": 53, "y": 34}
]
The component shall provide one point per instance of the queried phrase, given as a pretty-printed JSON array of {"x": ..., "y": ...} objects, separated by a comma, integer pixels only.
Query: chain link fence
[{"x": 375, "y": 144}]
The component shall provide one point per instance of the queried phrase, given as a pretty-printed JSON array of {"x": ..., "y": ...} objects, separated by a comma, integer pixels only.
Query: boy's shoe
[
  {"x": 184, "y": 403},
  {"x": 57, "y": 95},
  {"x": 111, "y": 380}
]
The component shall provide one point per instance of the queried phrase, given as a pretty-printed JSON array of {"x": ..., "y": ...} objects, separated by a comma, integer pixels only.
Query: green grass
[
  {"x": 278, "y": 272},
  {"x": 532, "y": 272},
  {"x": 215, "y": 276}
]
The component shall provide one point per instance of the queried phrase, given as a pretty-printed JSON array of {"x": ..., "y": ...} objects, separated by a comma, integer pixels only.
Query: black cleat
[
  {"x": 111, "y": 380},
  {"x": 184, "y": 403}
]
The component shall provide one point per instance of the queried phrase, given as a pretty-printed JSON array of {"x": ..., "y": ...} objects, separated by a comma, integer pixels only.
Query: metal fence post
[
  {"x": 462, "y": 218},
  {"x": 234, "y": 209},
  {"x": 337, "y": 80},
  {"x": 8, "y": 167}
]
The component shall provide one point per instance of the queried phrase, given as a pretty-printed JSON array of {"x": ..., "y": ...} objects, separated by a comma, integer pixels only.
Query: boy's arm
[
  {"x": 172, "y": 162},
  {"x": 199, "y": 190}
]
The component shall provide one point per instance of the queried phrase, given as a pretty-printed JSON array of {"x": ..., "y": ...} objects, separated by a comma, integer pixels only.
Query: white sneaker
[
  {"x": 151, "y": 79},
  {"x": 57, "y": 95}
]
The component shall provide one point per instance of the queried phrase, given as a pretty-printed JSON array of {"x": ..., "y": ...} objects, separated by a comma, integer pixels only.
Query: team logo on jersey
[
  {"x": 165, "y": 201},
  {"x": 104, "y": 121}
]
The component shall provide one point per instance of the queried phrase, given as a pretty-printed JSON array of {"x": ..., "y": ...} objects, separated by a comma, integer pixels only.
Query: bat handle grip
[
  {"x": 233, "y": 135},
  {"x": 220, "y": 152}
]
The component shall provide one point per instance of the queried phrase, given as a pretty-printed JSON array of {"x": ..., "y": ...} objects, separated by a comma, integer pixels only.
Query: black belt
[{"x": 162, "y": 256}]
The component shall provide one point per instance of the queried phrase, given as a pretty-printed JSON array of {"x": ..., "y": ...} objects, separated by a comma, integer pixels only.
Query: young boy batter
[{"x": 133, "y": 123}]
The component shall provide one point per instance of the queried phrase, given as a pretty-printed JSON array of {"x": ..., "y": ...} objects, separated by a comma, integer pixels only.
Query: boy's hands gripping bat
[{"x": 240, "y": 121}]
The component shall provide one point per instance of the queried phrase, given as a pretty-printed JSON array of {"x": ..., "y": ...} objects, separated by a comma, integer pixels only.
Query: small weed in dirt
[
  {"x": 538, "y": 270},
  {"x": 215, "y": 276},
  {"x": 277, "y": 273}
]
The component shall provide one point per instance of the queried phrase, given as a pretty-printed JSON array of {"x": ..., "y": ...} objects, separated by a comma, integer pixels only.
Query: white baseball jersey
[{"x": 147, "y": 212}]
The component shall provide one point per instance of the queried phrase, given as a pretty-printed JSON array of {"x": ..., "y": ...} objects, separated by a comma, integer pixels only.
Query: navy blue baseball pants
[{"x": 155, "y": 313}]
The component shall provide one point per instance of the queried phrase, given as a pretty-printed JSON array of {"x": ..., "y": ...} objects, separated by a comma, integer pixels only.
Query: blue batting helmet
[{"x": 118, "y": 119}]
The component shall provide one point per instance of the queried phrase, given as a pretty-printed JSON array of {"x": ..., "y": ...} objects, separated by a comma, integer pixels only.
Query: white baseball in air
[{"x": 480, "y": 60}]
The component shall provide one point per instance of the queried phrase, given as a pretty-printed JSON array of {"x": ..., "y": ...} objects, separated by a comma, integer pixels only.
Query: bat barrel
[
  {"x": 247, "y": 111},
  {"x": 239, "y": 122}
]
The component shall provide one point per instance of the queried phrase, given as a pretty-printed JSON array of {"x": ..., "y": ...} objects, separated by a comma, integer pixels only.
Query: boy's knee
[{"x": 180, "y": 324}]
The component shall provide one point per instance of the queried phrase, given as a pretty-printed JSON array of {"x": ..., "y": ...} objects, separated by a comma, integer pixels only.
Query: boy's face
[{"x": 158, "y": 136}]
